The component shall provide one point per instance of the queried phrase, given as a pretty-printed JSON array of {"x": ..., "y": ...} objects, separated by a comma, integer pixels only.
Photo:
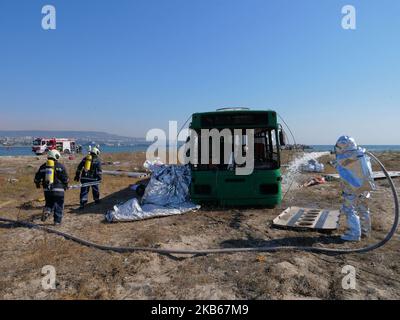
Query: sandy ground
[{"x": 86, "y": 273}]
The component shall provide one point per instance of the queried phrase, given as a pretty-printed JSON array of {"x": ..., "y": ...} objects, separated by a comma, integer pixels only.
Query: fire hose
[
  {"x": 83, "y": 185},
  {"x": 322, "y": 250}
]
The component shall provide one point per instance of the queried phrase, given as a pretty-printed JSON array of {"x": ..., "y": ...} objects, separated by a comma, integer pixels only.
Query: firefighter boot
[{"x": 46, "y": 213}]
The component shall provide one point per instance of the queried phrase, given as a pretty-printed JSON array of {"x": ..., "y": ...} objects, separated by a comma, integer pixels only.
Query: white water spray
[{"x": 292, "y": 172}]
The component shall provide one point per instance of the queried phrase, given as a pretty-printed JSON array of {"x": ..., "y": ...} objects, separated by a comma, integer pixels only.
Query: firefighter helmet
[
  {"x": 95, "y": 151},
  {"x": 54, "y": 154}
]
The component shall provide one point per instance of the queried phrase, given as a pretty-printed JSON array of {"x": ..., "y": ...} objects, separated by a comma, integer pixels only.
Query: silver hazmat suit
[{"x": 354, "y": 168}]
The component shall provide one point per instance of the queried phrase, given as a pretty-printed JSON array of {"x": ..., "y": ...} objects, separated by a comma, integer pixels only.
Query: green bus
[{"x": 218, "y": 184}]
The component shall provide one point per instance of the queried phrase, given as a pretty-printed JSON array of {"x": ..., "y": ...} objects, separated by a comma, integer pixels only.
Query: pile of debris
[
  {"x": 314, "y": 181},
  {"x": 312, "y": 166}
]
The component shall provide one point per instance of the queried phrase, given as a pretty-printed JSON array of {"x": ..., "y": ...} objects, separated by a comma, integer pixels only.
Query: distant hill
[
  {"x": 61, "y": 134},
  {"x": 24, "y": 137}
]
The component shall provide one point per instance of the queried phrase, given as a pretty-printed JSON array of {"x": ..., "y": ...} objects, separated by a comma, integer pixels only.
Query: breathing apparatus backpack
[
  {"x": 88, "y": 162},
  {"x": 49, "y": 175}
]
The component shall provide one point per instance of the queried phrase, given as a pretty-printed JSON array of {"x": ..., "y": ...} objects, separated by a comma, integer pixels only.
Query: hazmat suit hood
[{"x": 345, "y": 144}]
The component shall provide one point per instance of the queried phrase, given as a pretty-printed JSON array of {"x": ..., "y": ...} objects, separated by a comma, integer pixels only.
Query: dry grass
[{"x": 86, "y": 273}]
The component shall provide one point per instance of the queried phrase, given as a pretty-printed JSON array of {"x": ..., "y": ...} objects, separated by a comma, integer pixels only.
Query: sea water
[{"x": 27, "y": 151}]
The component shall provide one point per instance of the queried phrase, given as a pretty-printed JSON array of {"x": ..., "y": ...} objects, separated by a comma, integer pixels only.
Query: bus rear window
[{"x": 230, "y": 120}]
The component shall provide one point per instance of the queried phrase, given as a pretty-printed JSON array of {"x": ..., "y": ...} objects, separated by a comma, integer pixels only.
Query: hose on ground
[{"x": 231, "y": 250}]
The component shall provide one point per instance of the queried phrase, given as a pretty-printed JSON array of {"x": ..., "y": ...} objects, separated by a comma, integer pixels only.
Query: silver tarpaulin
[
  {"x": 166, "y": 194},
  {"x": 131, "y": 210},
  {"x": 169, "y": 185}
]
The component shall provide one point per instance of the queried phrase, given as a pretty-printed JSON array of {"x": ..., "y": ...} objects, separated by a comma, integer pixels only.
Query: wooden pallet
[
  {"x": 308, "y": 219},
  {"x": 377, "y": 175}
]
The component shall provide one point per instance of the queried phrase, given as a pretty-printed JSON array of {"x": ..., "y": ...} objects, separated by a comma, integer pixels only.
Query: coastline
[{"x": 25, "y": 151}]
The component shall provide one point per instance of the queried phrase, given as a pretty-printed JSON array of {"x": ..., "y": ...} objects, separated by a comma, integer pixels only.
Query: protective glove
[
  {"x": 37, "y": 185},
  {"x": 65, "y": 187},
  {"x": 77, "y": 178}
]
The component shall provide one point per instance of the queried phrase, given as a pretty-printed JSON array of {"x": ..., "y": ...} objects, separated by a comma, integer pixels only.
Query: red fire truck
[{"x": 42, "y": 145}]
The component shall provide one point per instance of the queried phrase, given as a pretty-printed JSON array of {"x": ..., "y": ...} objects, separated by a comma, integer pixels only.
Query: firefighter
[
  {"x": 89, "y": 171},
  {"x": 354, "y": 168},
  {"x": 53, "y": 176}
]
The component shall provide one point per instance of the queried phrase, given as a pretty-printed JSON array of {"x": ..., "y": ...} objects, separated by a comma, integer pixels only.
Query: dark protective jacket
[
  {"x": 60, "y": 179},
  {"x": 95, "y": 172}
]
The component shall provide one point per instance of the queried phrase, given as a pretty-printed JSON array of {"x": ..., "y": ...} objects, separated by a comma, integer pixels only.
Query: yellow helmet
[{"x": 53, "y": 154}]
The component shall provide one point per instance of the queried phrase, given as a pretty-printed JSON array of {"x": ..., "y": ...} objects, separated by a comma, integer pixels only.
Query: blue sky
[{"x": 128, "y": 66}]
